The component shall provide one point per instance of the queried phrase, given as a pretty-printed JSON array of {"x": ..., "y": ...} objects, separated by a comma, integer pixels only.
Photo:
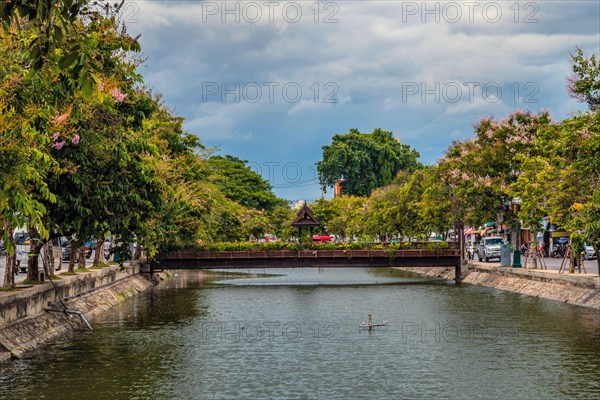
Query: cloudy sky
[{"x": 271, "y": 82}]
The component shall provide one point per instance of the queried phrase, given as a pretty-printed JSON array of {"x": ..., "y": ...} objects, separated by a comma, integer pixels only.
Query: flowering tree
[
  {"x": 481, "y": 170},
  {"x": 584, "y": 83},
  {"x": 24, "y": 145}
]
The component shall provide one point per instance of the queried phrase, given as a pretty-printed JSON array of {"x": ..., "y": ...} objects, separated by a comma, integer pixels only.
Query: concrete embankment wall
[
  {"x": 26, "y": 326},
  {"x": 567, "y": 288}
]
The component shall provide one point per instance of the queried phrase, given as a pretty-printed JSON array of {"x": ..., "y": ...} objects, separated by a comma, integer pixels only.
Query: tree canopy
[
  {"x": 239, "y": 183},
  {"x": 364, "y": 161}
]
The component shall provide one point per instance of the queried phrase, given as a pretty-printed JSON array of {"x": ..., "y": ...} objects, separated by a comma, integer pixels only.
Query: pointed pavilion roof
[{"x": 305, "y": 218}]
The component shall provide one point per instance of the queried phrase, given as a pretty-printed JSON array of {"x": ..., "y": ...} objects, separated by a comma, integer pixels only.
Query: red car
[{"x": 322, "y": 239}]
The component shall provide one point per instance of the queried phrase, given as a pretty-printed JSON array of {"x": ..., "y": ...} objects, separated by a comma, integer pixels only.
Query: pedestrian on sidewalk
[
  {"x": 523, "y": 249},
  {"x": 19, "y": 256}
]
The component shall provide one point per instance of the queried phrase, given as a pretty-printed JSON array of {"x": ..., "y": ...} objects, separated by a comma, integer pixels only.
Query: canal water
[{"x": 297, "y": 336}]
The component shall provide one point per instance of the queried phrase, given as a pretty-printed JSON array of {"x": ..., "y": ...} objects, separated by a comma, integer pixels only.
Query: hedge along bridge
[{"x": 308, "y": 259}]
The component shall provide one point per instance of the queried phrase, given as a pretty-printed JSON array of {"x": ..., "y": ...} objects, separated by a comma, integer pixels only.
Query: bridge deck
[{"x": 310, "y": 258}]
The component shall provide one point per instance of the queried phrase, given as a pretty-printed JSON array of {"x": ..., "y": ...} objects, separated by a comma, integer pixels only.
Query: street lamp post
[{"x": 517, "y": 254}]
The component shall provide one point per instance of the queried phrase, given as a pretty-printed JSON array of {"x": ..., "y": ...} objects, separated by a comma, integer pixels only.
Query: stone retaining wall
[
  {"x": 26, "y": 326},
  {"x": 567, "y": 288}
]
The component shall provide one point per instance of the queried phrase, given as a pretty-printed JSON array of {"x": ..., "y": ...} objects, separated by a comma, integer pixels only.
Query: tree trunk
[
  {"x": 9, "y": 273},
  {"x": 81, "y": 253},
  {"x": 60, "y": 253},
  {"x": 74, "y": 246},
  {"x": 56, "y": 254},
  {"x": 99, "y": 250},
  {"x": 137, "y": 254},
  {"x": 48, "y": 252},
  {"x": 35, "y": 245}
]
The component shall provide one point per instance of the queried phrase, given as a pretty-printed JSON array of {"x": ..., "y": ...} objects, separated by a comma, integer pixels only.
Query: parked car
[
  {"x": 270, "y": 238},
  {"x": 590, "y": 253},
  {"x": 489, "y": 247},
  {"x": 320, "y": 239},
  {"x": 66, "y": 250},
  {"x": 21, "y": 238}
]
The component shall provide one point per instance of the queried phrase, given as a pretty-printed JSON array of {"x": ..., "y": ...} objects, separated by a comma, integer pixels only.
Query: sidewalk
[
  {"x": 23, "y": 275},
  {"x": 553, "y": 265},
  {"x": 18, "y": 278}
]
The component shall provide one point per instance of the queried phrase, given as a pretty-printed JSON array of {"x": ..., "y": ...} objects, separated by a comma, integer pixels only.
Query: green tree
[
  {"x": 438, "y": 205},
  {"x": 60, "y": 43},
  {"x": 392, "y": 210},
  {"x": 343, "y": 216},
  {"x": 281, "y": 218},
  {"x": 255, "y": 224},
  {"x": 364, "y": 162},
  {"x": 239, "y": 183}
]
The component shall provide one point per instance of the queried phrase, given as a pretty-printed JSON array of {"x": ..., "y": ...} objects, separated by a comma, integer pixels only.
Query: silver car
[{"x": 590, "y": 253}]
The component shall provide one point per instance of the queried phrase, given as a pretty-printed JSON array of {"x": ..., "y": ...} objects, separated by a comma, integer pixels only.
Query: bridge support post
[{"x": 457, "y": 273}]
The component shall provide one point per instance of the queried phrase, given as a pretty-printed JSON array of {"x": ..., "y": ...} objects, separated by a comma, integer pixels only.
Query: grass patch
[
  {"x": 82, "y": 270},
  {"x": 68, "y": 273},
  {"x": 7, "y": 289},
  {"x": 28, "y": 281},
  {"x": 55, "y": 277}
]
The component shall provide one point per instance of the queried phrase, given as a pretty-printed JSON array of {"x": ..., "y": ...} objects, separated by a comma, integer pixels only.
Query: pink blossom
[
  {"x": 58, "y": 145},
  {"x": 75, "y": 139},
  {"x": 55, "y": 136},
  {"x": 60, "y": 118},
  {"x": 572, "y": 87},
  {"x": 117, "y": 95},
  {"x": 586, "y": 133}
]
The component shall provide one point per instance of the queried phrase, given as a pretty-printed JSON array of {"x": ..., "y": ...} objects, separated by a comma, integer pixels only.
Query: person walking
[{"x": 18, "y": 258}]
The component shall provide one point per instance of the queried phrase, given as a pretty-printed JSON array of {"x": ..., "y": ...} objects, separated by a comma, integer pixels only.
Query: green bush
[{"x": 309, "y": 245}]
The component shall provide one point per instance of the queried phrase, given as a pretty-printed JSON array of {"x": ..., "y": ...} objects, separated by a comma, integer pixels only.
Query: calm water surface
[{"x": 296, "y": 337}]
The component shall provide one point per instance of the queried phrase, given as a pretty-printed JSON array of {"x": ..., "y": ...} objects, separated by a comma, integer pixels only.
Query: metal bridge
[{"x": 308, "y": 259}]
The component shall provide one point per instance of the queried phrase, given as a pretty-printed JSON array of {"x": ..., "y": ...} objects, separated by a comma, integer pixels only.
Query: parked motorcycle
[
  {"x": 107, "y": 254},
  {"x": 88, "y": 252},
  {"x": 559, "y": 251}
]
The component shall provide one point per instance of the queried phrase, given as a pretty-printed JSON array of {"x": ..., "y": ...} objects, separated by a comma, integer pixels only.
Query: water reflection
[{"x": 190, "y": 339}]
